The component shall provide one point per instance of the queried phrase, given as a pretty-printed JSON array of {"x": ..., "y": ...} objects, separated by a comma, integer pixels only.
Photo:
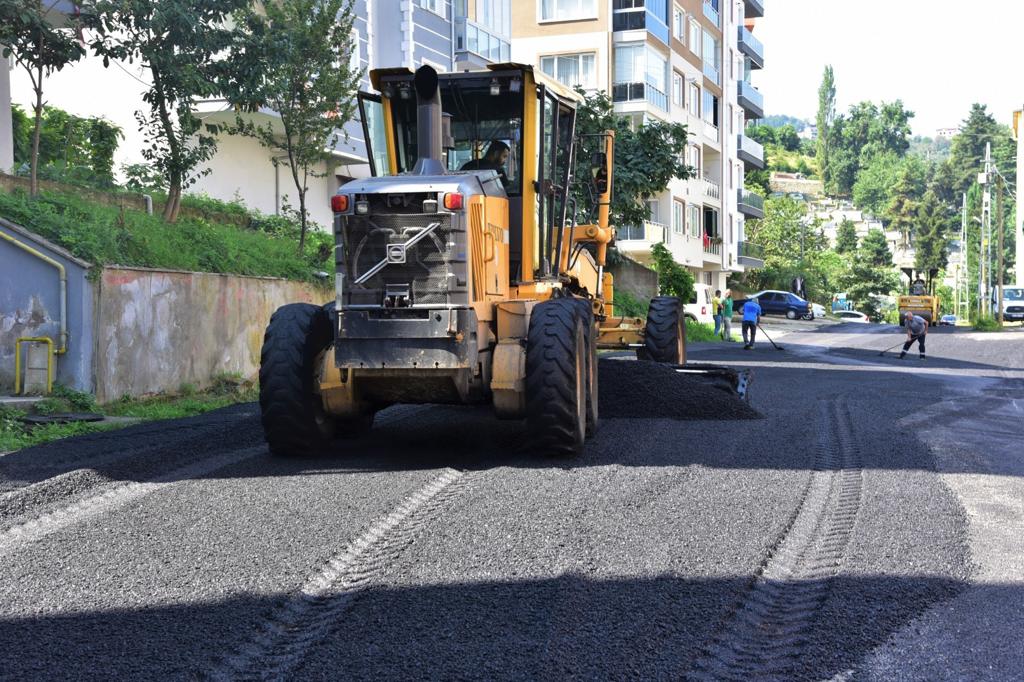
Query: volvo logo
[{"x": 396, "y": 253}]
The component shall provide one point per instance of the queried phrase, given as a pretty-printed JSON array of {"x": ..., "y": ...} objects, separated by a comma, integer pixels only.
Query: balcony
[
  {"x": 751, "y": 47},
  {"x": 637, "y": 240},
  {"x": 712, "y": 189},
  {"x": 750, "y": 151},
  {"x": 711, "y": 13},
  {"x": 754, "y": 8},
  {"x": 750, "y": 204},
  {"x": 474, "y": 43},
  {"x": 637, "y": 92},
  {"x": 713, "y": 247},
  {"x": 750, "y": 255},
  {"x": 712, "y": 73},
  {"x": 750, "y": 99},
  {"x": 642, "y": 19}
]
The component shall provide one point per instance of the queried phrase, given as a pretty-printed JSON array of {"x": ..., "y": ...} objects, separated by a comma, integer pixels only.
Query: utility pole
[
  {"x": 999, "y": 272},
  {"x": 985, "y": 253},
  {"x": 962, "y": 298},
  {"x": 1018, "y": 131}
]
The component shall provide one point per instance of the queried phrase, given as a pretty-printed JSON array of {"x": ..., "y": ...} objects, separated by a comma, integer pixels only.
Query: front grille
[
  {"x": 1015, "y": 308},
  {"x": 434, "y": 268}
]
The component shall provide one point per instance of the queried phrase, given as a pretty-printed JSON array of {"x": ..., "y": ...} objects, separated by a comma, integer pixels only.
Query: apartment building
[{"x": 688, "y": 61}]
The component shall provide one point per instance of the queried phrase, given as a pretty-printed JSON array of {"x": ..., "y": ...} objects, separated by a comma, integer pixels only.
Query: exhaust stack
[{"x": 428, "y": 123}]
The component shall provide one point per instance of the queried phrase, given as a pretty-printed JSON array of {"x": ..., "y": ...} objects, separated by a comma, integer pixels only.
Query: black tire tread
[
  {"x": 665, "y": 321},
  {"x": 551, "y": 378},
  {"x": 296, "y": 334}
]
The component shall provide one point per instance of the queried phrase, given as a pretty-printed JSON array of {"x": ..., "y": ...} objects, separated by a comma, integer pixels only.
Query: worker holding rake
[{"x": 917, "y": 330}]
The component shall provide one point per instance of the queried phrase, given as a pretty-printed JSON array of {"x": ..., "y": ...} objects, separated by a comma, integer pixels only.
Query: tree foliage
[
  {"x": 295, "y": 57},
  {"x": 182, "y": 43},
  {"x": 872, "y": 274},
  {"x": 846, "y": 237},
  {"x": 825, "y": 119},
  {"x": 647, "y": 158},
  {"x": 930, "y": 244},
  {"x": 673, "y": 278},
  {"x": 30, "y": 35}
]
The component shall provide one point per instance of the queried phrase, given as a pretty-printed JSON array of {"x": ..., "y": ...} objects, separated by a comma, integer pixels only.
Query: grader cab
[{"x": 462, "y": 274}]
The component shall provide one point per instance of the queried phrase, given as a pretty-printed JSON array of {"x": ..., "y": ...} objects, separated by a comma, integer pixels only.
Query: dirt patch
[{"x": 651, "y": 390}]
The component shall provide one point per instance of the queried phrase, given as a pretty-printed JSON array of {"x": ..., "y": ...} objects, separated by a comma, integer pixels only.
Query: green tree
[
  {"x": 846, "y": 237},
  {"x": 930, "y": 246},
  {"x": 29, "y": 34},
  {"x": 182, "y": 43},
  {"x": 967, "y": 157},
  {"x": 294, "y": 57},
  {"x": 825, "y": 119},
  {"x": 21, "y": 134},
  {"x": 872, "y": 274},
  {"x": 673, "y": 278},
  {"x": 902, "y": 208},
  {"x": 787, "y": 138},
  {"x": 647, "y": 158}
]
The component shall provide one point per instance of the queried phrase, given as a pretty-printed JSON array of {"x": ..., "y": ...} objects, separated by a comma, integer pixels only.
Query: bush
[
  {"x": 698, "y": 332},
  {"x": 112, "y": 235},
  {"x": 628, "y": 305},
  {"x": 986, "y": 324}
]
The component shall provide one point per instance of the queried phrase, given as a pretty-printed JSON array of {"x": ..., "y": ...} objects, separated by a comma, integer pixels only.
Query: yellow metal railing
[{"x": 17, "y": 361}]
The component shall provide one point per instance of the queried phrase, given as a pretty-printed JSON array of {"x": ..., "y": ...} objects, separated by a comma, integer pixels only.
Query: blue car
[{"x": 775, "y": 302}]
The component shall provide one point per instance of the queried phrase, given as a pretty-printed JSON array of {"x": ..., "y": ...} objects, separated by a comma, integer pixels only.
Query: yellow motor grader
[{"x": 462, "y": 275}]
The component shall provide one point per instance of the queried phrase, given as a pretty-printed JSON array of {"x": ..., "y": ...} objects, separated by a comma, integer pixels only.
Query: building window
[
  {"x": 678, "y": 217},
  {"x": 567, "y": 10},
  {"x": 679, "y": 23},
  {"x": 730, "y": 119},
  {"x": 693, "y": 220},
  {"x": 655, "y": 211},
  {"x": 708, "y": 277},
  {"x": 677, "y": 89},
  {"x": 693, "y": 99},
  {"x": 354, "y": 64},
  {"x": 695, "y": 42},
  {"x": 495, "y": 15},
  {"x": 712, "y": 58},
  {"x": 641, "y": 72},
  {"x": 435, "y": 6},
  {"x": 694, "y": 159},
  {"x": 710, "y": 108},
  {"x": 572, "y": 69}
]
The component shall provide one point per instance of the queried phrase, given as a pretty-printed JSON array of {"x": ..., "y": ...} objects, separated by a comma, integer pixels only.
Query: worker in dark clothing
[
  {"x": 917, "y": 329},
  {"x": 493, "y": 159},
  {"x": 751, "y": 318}
]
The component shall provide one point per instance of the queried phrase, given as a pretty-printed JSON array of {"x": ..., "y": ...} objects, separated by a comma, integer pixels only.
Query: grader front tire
[
  {"x": 292, "y": 413},
  {"x": 556, "y": 379},
  {"x": 665, "y": 333}
]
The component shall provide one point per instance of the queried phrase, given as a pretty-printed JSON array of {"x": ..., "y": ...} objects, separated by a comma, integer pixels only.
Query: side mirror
[{"x": 599, "y": 171}]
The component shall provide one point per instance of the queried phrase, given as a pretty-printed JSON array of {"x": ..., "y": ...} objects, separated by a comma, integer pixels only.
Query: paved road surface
[{"x": 815, "y": 543}]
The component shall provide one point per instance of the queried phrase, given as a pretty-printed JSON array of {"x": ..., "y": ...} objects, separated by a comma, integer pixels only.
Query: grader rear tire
[
  {"x": 665, "y": 333},
  {"x": 292, "y": 414},
  {"x": 587, "y": 316},
  {"x": 556, "y": 381}
]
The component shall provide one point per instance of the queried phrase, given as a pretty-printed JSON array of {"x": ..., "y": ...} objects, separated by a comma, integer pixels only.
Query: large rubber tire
[
  {"x": 586, "y": 311},
  {"x": 556, "y": 386},
  {"x": 665, "y": 332},
  {"x": 293, "y": 417},
  {"x": 790, "y": 314}
]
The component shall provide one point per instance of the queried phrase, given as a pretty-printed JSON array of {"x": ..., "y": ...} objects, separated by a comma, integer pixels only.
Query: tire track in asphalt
[
  {"x": 767, "y": 632},
  {"x": 39, "y": 527},
  {"x": 305, "y": 617},
  {"x": 107, "y": 494}
]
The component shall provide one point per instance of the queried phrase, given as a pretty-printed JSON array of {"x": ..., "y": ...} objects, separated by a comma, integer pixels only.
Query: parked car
[
  {"x": 947, "y": 321},
  {"x": 774, "y": 302},
  {"x": 699, "y": 307},
  {"x": 817, "y": 311},
  {"x": 851, "y": 316}
]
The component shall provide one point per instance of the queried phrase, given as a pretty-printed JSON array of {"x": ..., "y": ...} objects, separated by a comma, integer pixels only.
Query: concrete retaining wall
[
  {"x": 640, "y": 281},
  {"x": 159, "y": 329}
]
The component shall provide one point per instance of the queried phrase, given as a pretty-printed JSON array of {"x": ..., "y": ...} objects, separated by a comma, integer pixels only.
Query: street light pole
[{"x": 999, "y": 224}]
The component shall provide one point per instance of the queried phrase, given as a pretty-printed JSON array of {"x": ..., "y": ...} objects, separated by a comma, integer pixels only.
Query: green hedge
[{"x": 110, "y": 235}]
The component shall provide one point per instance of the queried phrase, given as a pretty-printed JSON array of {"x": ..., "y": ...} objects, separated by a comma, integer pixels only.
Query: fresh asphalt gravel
[{"x": 440, "y": 546}]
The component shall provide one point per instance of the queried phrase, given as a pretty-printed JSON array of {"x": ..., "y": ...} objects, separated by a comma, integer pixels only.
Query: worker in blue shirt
[{"x": 751, "y": 318}]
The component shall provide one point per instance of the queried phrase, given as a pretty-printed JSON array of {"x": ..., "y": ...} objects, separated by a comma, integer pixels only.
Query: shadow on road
[{"x": 571, "y": 626}]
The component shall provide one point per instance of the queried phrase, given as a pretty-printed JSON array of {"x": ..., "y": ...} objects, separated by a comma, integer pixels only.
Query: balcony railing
[
  {"x": 750, "y": 99},
  {"x": 711, "y": 13},
  {"x": 752, "y": 47},
  {"x": 749, "y": 254},
  {"x": 472, "y": 38},
  {"x": 650, "y": 233},
  {"x": 713, "y": 73},
  {"x": 750, "y": 151},
  {"x": 633, "y": 92},
  {"x": 750, "y": 204},
  {"x": 712, "y": 189},
  {"x": 713, "y": 247}
]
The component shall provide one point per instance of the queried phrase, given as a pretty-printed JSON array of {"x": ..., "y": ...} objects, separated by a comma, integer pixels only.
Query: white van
[
  {"x": 699, "y": 308},
  {"x": 1013, "y": 302}
]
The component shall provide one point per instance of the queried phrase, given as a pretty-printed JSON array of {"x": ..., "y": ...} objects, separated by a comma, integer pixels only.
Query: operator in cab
[{"x": 494, "y": 158}]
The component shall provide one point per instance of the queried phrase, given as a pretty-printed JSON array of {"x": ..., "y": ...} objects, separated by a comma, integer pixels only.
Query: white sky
[{"x": 938, "y": 56}]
